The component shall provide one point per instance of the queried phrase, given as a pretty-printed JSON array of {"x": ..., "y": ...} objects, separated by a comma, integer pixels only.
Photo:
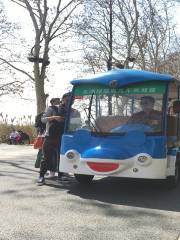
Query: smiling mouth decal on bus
[
  {"x": 103, "y": 167},
  {"x": 131, "y": 112}
]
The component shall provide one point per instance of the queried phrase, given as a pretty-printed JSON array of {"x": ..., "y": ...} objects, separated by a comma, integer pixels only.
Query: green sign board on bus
[{"x": 145, "y": 88}]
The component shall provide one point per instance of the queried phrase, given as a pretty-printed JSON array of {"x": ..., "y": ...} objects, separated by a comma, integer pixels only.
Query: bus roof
[{"x": 123, "y": 77}]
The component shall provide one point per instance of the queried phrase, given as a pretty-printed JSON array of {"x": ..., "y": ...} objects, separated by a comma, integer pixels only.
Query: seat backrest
[
  {"x": 171, "y": 126},
  {"x": 106, "y": 123}
]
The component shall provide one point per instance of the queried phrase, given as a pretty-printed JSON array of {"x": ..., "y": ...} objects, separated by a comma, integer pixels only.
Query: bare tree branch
[
  {"x": 16, "y": 68},
  {"x": 48, "y": 25}
]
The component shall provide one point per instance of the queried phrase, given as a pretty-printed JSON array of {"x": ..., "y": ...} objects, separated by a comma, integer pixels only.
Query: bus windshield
[{"x": 110, "y": 110}]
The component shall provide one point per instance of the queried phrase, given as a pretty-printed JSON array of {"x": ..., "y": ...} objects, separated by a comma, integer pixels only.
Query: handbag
[
  {"x": 39, "y": 158},
  {"x": 38, "y": 142}
]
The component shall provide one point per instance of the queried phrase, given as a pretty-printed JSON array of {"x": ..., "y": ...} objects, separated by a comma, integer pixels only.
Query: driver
[{"x": 148, "y": 115}]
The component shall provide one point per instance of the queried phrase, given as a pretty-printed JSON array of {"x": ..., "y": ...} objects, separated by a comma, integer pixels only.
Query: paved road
[{"x": 109, "y": 209}]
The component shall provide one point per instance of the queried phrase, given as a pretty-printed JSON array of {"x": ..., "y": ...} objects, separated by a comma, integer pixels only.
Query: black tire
[
  {"x": 83, "y": 179},
  {"x": 173, "y": 181}
]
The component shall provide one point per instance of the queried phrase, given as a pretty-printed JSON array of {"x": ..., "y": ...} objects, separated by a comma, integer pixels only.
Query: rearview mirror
[{"x": 176, "y": 106}]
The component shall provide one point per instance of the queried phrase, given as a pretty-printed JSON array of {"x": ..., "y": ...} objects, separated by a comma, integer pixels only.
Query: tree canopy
[{"x": 109, "y": 34}]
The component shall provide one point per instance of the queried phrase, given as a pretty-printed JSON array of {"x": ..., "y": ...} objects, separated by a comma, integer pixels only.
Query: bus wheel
[
  {"x": 84, "y": 179},
  {"x": 172, "y": 181}
]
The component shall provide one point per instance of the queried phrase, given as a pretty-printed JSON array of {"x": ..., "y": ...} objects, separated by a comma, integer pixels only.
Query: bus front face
[{"x": 108, "y": 131}]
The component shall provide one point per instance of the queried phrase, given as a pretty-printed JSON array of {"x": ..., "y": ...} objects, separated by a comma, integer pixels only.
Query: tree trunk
[
  {"x": 40, "y": 96},
  {"x": 109, "y": 63},
  {"x": 39, "y": 89}
]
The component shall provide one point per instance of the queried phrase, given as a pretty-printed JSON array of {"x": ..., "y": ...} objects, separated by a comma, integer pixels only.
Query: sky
[{"x": 18, "y": 107}]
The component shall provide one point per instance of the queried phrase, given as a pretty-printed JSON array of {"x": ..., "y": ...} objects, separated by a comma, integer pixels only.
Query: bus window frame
[{"x": 164, "y": 117}]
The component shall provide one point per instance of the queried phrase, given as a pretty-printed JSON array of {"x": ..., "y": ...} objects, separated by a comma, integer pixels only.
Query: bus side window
[{"x": 172, "y": 118}]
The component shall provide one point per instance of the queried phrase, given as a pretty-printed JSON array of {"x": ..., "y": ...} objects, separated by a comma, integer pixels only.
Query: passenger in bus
[{"x": 148, "y": 115}]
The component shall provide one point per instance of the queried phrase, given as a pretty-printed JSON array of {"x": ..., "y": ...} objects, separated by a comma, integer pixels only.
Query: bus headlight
[
  {"x": 144, "y": 159},
  {"x": 72, "y": 155}
]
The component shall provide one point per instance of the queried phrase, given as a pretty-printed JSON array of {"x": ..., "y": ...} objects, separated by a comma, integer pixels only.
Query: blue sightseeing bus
[{"x": 123, "y": 123}]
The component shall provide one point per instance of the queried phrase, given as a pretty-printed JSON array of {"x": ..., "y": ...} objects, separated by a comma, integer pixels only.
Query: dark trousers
[{"x": 51, "y": 152}]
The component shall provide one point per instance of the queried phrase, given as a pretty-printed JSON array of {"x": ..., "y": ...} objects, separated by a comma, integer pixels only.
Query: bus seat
[
  {"x": 171, "y": 126},
  {"x": 106, "y": 123},
  {"x": 172, "y": 140}
]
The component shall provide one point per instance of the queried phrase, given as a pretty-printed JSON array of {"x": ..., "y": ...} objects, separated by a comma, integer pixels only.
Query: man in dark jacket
[{"x": 54, "y": 120}]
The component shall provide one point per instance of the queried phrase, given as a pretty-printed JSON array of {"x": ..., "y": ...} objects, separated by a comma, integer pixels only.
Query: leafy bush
[
  {"x": 24, "y": 124},
  {"x": 4, "y": 132},
  {"x": 6, "y": 129}
]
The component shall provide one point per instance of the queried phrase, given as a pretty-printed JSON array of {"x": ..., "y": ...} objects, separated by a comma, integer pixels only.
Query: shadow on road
[
  {"x": 127, "y": 192},
  {"x": 18, "y": 164},
  {"x": 119, "y": 191}
]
